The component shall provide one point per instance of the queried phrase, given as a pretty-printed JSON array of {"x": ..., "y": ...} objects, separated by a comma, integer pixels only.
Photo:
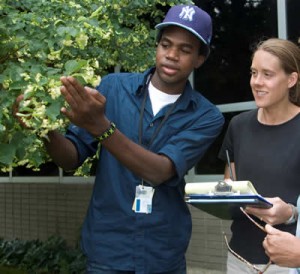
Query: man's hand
[
  {"x": 283, "y": 248},
  {"x": 87, "y": 106},
  {"x": 15, "y": 111}
]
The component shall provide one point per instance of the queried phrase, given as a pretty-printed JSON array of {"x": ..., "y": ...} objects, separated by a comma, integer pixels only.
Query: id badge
[{"x": 143, "y": 199}]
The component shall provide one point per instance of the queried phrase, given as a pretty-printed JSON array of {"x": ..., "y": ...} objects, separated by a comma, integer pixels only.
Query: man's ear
[
  {"x": 293, "y": 79},
  {"x": 200, "y": 60}
]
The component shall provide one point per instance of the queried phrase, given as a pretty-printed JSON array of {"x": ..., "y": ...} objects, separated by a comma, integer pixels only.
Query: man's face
[{"x": 177, "y": 55}]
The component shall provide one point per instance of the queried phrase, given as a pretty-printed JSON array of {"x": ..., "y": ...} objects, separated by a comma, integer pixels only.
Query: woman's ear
[{"x": 293, "y": 78}]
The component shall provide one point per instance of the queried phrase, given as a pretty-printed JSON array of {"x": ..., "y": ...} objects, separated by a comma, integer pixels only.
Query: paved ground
[{"x": 203, "y": 271}]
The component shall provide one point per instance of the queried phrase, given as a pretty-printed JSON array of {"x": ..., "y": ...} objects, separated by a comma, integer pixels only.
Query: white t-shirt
[{"x": 159, "y": 99}]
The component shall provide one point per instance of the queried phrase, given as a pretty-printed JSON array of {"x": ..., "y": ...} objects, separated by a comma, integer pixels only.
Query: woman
[
  {"x": 262, "y": 145},
  {"x": 283, "y": 248}
]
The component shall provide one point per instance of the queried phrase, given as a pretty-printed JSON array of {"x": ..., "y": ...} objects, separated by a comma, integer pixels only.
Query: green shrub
[
  {"x": 37, "y": 257},
  {"x": 11, "y": 270},
  {"x": 42, "y": 40}
]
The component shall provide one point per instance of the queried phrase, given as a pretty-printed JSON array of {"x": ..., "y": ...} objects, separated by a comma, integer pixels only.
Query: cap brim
[
  {"x": 160, "y": 26},
  {"x": 163, "y": 25}
]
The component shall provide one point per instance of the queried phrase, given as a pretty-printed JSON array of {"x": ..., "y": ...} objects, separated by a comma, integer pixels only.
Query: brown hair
[{"x": 288, "y": 54}]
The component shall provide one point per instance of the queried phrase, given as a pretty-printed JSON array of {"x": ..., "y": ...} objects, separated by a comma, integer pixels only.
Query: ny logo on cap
[{"x": 187, "y": 13}]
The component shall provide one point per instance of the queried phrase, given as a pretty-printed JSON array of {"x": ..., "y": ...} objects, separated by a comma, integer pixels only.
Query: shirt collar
[
  {"x": 188, "y": 93},
  {"x": 146, "y": 77}
]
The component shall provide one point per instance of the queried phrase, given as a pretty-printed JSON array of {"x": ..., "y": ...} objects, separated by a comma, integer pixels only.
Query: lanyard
[{"x": 142, "y": 116}]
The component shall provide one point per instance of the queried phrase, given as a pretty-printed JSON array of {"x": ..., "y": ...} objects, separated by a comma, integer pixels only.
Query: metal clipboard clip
[{"x": 223, "y": 188}]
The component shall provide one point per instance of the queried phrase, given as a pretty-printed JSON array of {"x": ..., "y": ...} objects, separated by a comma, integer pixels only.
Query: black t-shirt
[{"x": 269, "y": 157}]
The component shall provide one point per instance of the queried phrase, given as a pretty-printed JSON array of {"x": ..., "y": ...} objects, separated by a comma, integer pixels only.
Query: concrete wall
[
  {"x": 39, "y": 210},
  {"x": 207, "y": 251}
]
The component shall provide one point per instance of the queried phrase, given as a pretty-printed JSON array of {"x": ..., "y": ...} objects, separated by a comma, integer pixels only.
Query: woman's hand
[
  {"x": 279, "y": 213},
  {"x": 282, "y": 248}
]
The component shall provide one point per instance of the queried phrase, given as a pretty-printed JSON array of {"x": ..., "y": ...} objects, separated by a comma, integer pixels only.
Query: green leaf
[
  {"x": 53, "y": 110},
  {"x": 7, "y": 153},
  {"x": 73, "y": 66}
]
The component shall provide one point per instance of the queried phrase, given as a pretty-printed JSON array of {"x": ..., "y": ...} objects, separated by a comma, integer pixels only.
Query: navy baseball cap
[{"x": 191, "y": 18}]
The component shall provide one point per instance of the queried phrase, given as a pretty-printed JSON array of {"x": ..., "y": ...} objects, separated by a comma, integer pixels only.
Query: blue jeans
[{"x": 96, "y": 269}]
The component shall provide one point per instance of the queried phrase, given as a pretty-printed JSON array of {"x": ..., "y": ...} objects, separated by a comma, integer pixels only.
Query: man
[{"x": 153, "y": 127}]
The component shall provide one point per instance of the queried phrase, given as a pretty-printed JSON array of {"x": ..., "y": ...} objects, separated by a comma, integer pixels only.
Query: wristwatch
[{"x": 294, "y": 216}]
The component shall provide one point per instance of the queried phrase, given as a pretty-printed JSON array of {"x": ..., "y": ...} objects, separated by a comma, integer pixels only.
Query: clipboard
[
  {"x": 216, "y": 198},
  {"x": 241, "y": 200}
]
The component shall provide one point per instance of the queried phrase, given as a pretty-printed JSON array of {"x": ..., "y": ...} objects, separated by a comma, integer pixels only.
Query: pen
[{"x": 229, "y": 166}]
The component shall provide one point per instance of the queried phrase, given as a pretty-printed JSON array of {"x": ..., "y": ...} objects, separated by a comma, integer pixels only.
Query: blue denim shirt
[{"x": 113, "y": 234}]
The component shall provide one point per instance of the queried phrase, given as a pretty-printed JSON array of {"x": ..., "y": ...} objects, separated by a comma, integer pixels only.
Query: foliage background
[
  {"x": 37, "y": 257},
  {"x": 42, "y": 40}
]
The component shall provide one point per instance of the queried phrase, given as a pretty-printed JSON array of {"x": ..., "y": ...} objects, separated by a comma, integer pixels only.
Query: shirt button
[{"x": 151, "y": 124}]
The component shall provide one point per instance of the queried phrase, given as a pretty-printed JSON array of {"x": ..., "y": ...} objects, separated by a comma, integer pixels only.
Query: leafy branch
[{"x": 48, "y": 39}]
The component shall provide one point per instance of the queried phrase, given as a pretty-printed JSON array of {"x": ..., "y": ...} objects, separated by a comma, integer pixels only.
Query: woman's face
[{"x": 269, "y": 82}]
